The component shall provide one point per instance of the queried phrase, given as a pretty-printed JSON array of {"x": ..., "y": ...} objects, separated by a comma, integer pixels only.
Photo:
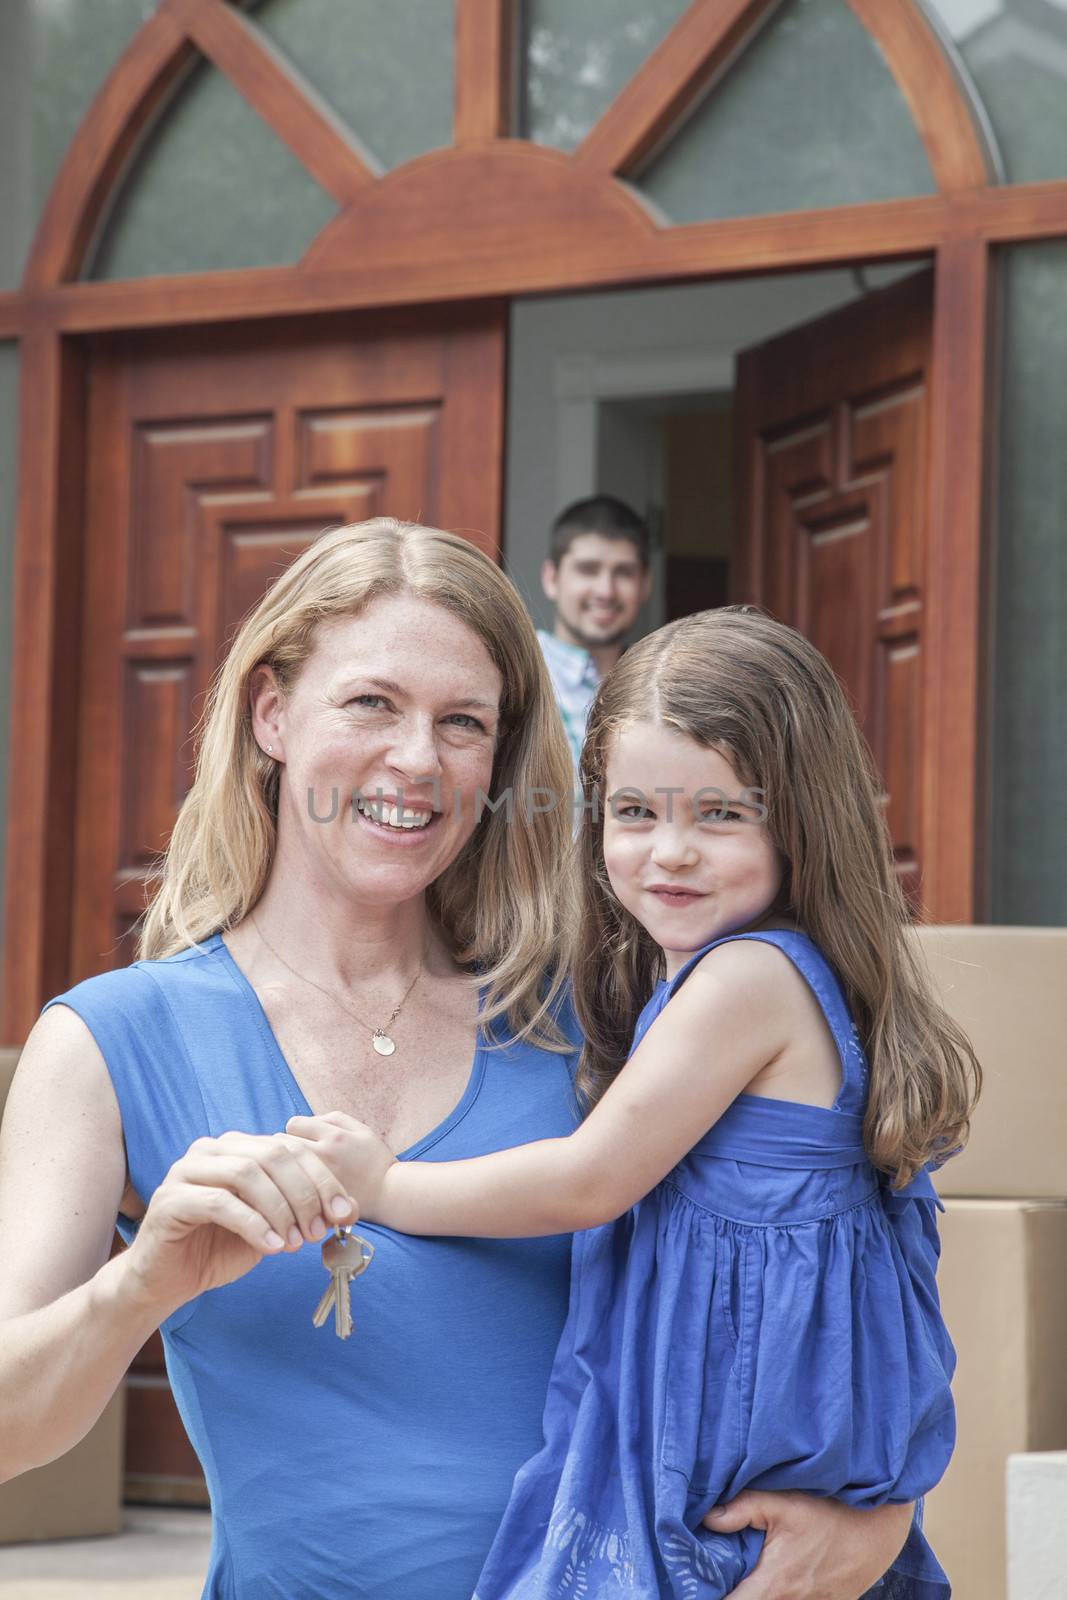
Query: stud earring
[{"x": 270, "y": 749}]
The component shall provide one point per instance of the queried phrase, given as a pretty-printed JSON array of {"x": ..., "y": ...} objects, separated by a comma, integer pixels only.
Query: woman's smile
[{"x": 392, "y": 824}]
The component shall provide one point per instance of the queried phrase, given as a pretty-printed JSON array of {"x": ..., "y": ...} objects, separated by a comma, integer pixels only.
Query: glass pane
[
  {"x": 1016, "y": 54},
  {"x": 577, "y": 58},
  {"x": 212, "y": 187},
  {"x": 809, "y": 116},
  {"x": 1029, "y": 767},
  {"x": 9, "y": 382},
  {"x": 16, "y": 206},
  {"x": 74, "y": 48},
  {"x": 387, "y": 70},
  {"x": 53, "y": 59}
]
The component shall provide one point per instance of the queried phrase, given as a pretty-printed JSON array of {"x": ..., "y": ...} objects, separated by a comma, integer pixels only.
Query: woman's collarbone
[{"x": 416, "y": 1086}]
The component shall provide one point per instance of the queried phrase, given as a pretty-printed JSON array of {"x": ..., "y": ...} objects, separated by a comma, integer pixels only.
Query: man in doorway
[{"x": 597, "y": 575}]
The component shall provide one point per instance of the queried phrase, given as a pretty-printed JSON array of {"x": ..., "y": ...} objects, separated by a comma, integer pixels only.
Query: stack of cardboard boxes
[{"x": 1003, "y": 1274}]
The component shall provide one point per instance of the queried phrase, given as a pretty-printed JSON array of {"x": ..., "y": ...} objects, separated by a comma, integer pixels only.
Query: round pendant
[{"x": 383, "y": 1044}]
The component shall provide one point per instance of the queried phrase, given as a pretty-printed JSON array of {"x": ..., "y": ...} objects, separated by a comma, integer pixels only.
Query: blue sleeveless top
[
  {"x": 766, "y": 1318},
  {"x": 379, "y": 1466}
]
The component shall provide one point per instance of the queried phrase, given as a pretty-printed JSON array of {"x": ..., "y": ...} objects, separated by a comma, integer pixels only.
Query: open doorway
[
  {"x": 671, "y": 456},
  {"x": 634, "y": 394}
]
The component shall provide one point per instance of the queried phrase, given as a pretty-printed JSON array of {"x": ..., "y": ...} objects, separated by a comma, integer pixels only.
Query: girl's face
[
  {"x": 684, "y": 846},
  {"x": 398, "y": 705}
]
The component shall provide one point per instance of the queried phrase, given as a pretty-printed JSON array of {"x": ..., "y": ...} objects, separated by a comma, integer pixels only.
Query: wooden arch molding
[{"x": 505, "y": 189}]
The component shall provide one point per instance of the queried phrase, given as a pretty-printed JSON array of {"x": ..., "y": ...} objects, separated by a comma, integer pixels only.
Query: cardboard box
[
  {"x": 8, "y": 1063},
  {"x": 77, "y": 1495},
  {"x": 1003, "y": 1283},
  {"x": 1007, "y": 988},
  {"x": 81, "y": 1493}
]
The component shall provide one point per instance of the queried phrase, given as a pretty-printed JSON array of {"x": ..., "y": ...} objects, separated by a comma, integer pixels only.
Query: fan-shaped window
[
  {"x": 808, "y": 116},
  {"x": 576, "y": 58},
  {"x": 386, "y": 70},
  {"x": 1016, "y": 54},
  {"x": 212, "y": 187}
]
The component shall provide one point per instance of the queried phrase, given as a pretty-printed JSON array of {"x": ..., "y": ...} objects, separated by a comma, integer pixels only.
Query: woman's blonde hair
[
  {"x": 499, "y": 902},
  {"x": 739, "y": 682}
]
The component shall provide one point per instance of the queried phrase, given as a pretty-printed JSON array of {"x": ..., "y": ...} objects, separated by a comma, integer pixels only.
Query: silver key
[{"x": 344, "y": 1256}]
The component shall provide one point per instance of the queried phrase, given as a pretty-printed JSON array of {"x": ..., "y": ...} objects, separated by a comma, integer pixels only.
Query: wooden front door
[
  {"x": 214, "y": 458},
  {"x": 831, "y": 477}
]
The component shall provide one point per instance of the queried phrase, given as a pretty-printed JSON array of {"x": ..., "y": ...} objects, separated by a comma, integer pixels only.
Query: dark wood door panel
[
  {"x": 832, "y": 489},
  {"x": 214, "y": 460}
]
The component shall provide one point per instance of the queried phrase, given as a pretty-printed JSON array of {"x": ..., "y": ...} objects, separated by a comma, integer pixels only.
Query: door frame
[{"x": 431, "y": 231}]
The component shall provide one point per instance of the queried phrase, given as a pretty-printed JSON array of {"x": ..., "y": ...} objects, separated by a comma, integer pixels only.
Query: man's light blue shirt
[{"x": 574, "y": 678}]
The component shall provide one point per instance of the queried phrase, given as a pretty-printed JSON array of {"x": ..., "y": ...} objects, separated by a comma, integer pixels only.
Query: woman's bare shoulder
[
  {"x": 62, "y": 1081},
  {"x": 61, "y": 1049},
  {"x": 62, "y": 1162}
]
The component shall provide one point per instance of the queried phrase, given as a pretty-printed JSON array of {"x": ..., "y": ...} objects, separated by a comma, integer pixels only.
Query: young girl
[{"x": 753, "y": 1301}]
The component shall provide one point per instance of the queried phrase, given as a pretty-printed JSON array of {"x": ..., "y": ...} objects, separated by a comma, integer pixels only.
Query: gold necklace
[{"x": 380, "y": 1037}]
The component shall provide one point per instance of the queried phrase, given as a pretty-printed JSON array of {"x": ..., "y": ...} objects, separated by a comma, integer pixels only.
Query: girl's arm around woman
[{"x": 669, "y": 1093}]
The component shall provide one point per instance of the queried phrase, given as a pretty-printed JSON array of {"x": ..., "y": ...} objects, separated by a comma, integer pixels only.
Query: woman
[{"x": 344, "y": 925}]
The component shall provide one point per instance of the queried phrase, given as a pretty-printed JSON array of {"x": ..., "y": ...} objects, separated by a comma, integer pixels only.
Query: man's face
[{"x": 598, "y": 589}]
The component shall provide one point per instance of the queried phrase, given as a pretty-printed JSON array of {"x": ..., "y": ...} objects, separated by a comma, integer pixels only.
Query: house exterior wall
[{"x": 53, "y": 59}]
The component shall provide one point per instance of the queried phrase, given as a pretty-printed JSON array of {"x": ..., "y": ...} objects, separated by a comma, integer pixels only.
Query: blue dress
[{"x": 766, "y": 1318}]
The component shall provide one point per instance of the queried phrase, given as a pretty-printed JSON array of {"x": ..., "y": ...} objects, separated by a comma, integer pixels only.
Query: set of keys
[{"x": 345, "y": 1255}]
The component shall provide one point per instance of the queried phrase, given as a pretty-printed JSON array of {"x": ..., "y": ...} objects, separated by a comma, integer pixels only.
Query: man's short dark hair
[{"x": 602, "y": 514}]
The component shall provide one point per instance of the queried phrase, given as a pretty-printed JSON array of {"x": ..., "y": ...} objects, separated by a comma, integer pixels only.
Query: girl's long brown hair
[
  {"x": 501, "y": 903},
  {"x": 739, "y": 682}
]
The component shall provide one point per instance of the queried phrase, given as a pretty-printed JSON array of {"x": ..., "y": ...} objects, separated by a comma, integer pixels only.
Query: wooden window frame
[{"x": 490, "y": 216}]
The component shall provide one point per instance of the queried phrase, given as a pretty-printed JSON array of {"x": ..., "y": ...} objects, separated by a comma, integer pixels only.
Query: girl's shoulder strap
[{"x": 824, "y": 983}]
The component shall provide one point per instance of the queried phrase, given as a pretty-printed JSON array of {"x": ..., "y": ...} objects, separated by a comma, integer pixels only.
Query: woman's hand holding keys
[{"x": 227, "y": 1203}]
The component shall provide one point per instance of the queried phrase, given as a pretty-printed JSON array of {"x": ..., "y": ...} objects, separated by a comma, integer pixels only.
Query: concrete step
[{"x": 160, "y": 1554}]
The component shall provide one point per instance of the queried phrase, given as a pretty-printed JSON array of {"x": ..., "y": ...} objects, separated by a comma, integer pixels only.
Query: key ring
[{"x": 344, "y": 1233}]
